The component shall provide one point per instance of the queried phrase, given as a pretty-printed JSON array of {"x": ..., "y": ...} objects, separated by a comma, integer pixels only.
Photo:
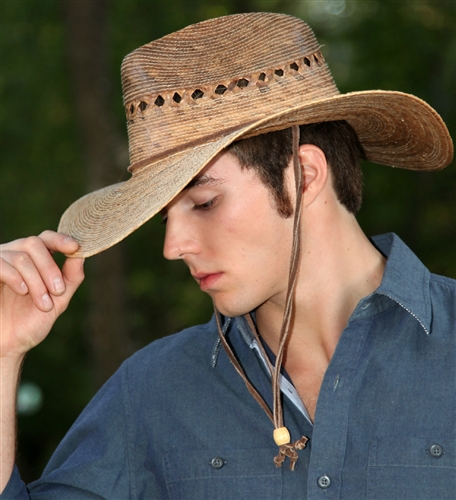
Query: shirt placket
[{"x": 329, "y": 436}]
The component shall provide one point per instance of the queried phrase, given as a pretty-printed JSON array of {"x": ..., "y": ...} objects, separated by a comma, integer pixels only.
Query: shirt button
[
  {"x": 217, "y": 462},
  {"x": 324, "y": 482},
  {"x": 436, "y": 450}
]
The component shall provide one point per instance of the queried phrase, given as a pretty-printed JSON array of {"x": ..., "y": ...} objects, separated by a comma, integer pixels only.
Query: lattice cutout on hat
[{"x": 260, "y": 80}]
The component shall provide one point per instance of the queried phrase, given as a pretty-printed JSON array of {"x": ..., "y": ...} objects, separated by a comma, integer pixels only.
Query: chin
[{"x": 232, "y": 309}]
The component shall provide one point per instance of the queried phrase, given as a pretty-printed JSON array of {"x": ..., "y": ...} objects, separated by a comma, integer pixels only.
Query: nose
[{"x": 179, "y": 239}]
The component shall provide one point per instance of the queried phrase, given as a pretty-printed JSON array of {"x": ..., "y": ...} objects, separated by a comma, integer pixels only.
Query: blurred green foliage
[{"x": 408, "y": 46}]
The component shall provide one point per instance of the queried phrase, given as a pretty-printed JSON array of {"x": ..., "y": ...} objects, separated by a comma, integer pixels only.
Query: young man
[{"x": 355, "y": 336}]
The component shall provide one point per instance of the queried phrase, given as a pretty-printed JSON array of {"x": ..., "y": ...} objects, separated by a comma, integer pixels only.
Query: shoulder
[
  {"x": 174, "y": 355},
  {"x": 443, "y": 298},
  {"x": 192, "y": 340},
  {"x": 447, "y": 285},
  {"x": 443, "y": 291}
]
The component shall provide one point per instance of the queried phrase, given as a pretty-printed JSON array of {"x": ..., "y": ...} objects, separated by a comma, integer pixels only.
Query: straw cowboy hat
[{"x": 191, "y": 93}]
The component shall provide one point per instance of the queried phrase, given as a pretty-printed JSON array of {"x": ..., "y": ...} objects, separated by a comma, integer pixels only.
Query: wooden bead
[{"x": 281, "y": 436}]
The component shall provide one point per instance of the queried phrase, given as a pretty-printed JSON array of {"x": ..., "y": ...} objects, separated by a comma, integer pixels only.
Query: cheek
[{"x": 250, "y": 233}]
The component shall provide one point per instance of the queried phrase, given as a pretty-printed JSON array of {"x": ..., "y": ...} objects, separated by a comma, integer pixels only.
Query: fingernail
[
  {"x": 58, "y": 284},
  {"x": 47, "y": 302},
  {"x": 24, "y": 287},
  {"x": 69, "y": 239}
]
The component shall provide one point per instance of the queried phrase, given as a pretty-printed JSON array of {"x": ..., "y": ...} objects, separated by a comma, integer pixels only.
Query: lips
[{"x": 206, "y": 281}]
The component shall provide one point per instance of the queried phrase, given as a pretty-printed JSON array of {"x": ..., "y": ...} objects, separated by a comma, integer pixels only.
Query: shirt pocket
[
  {"x": 222, "y": 474},
  {"x": 412, "y": 468}
]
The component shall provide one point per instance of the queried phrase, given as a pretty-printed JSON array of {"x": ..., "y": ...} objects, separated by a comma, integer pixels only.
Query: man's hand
[
  {"x": 33, "y": 290},
  {"x": 33, "y": 294}
]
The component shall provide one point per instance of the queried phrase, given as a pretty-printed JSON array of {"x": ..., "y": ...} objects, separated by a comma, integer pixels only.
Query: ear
[{"x": 315, "y": 171}]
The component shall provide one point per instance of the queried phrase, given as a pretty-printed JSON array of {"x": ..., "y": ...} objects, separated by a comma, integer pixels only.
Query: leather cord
[
  {"x": 258, "y": 398},
  {"x": 276, "y": 416},
  {"x": 294, "y": 263}
]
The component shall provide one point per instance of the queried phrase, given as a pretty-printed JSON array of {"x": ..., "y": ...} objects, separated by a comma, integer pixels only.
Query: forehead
[{"x": 222, "y": 168}]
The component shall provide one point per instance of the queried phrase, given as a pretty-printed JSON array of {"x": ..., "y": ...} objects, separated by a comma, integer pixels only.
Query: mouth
[{"x": 206, "y": 281}]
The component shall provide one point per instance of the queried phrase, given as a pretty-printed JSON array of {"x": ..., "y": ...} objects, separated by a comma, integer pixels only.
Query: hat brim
[{"x": 395, "y": 129}]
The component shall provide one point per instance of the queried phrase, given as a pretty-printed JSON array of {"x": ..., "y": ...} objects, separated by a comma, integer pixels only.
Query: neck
[{"x": 338, "y": 267}]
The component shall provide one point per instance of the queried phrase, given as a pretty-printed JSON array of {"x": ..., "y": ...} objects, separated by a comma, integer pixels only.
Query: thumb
[{"x": 73, "y": 274}]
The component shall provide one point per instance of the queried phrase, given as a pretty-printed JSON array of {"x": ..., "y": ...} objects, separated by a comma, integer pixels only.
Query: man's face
[{"x": 227, "y": 230}]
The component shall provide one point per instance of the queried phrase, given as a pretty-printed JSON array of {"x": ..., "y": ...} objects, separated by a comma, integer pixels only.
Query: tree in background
[{"x": 63, "y": 134}]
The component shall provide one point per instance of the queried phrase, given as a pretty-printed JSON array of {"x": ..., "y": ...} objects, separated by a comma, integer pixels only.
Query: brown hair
[{"x": 269, "y": 154}]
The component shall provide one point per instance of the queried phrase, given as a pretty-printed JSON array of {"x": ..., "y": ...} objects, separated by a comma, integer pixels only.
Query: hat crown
[
  {"x": 209, "y": 79},
  {"x": 216, "y": 50}
]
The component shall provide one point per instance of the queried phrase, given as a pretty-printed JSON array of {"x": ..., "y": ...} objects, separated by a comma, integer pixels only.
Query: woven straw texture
[{"x": 190, "y": 94}]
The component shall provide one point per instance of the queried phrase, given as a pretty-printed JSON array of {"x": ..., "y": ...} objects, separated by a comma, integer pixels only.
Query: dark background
[{"x": 63, "y": 133}]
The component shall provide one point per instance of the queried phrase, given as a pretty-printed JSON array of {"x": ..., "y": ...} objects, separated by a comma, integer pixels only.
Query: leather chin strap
[{"x": 286, "y": 448}]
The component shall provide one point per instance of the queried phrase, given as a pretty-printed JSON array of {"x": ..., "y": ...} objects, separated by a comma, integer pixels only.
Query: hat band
[{"x": 261, "y": 80}]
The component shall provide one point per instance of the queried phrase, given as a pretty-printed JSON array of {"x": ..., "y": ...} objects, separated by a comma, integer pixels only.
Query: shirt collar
[{"x": 405, "y": 279}]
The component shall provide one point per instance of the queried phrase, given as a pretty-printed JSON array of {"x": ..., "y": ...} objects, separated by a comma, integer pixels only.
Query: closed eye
[{"x": 206, "y": 206}]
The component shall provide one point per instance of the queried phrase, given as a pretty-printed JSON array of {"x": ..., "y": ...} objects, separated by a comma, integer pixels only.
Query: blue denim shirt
[{"x": 176, "y": 421}]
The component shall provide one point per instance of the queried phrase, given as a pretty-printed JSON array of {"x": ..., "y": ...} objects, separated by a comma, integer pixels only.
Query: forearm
[
  {"x": 9, "y": 377},
  {"x": 34, "y": 291}
]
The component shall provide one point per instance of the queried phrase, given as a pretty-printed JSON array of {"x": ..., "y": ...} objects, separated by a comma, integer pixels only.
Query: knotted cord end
[{"x": 289, "y": 450}]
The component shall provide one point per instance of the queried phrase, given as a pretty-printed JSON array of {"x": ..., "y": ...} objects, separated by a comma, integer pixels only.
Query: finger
[
  {"x": 73, "y": 276},
  {"x": 59, "y": 242},
  {"x": 24, "y": 265},
  {"x": 73, "y": 273},
  {"x": 32, "y": 259},
  {"x": 52, "y": 240},
  {"x": 10, "y": 277},
  {"x": 37, "y": 248}
]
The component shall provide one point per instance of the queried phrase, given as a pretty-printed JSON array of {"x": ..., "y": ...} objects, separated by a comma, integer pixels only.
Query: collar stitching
[
  {"x": 218, "y": 344},
  {"x": 406, "y": 309}
]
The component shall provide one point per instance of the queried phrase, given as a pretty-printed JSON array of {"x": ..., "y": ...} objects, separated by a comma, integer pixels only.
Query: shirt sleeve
[
  {"x": 15, "y": 489},
  {"x": 93, "y": 461}
]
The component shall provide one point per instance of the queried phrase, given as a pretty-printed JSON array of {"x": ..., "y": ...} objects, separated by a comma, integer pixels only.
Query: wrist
[{"x": 10, "y": 369}]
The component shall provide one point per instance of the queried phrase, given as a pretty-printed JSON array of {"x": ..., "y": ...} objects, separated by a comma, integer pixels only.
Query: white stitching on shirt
[
  {"x": 218, "y": 344},
  {"x": 408, "y": 310}
]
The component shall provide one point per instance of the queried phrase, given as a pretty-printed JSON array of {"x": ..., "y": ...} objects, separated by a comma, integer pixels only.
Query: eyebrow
[
  {"x": 199, "y": 181},
  {"x": 203, "y": 180}
]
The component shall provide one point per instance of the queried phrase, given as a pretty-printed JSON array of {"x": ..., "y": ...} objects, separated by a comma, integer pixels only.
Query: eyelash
[{"x": 206, "y": 206}]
